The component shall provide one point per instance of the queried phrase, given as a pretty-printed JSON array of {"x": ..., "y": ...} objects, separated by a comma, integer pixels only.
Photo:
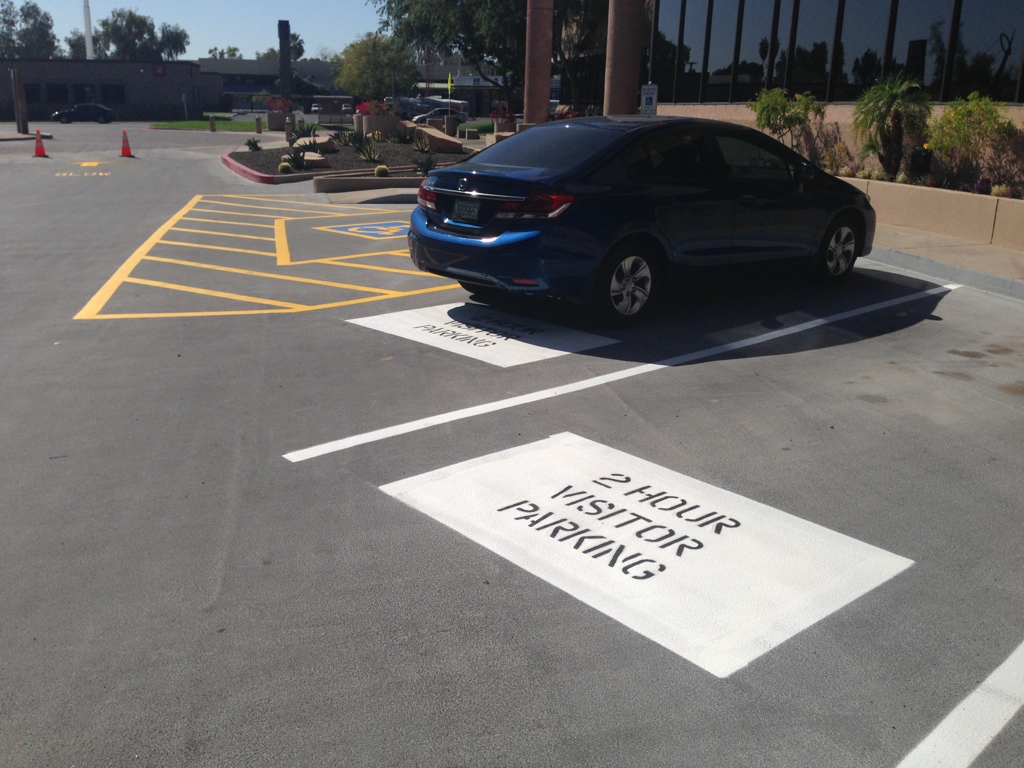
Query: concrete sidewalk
[
  {"x": 15, "y": 136},
  {"x": 980, "y": 265}
]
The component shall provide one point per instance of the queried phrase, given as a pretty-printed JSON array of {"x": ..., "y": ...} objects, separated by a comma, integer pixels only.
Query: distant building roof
[{"x": 319, "y": 70}]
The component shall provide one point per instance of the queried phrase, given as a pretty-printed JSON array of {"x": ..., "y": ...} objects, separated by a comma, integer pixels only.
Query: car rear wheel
[
  {"x": 629, "y": 284},
  {"x": 840, "y": 248}
]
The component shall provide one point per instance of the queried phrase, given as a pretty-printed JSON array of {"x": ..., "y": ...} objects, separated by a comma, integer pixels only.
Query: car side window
[
  {"x": 667, "y": 157},
  {"x": 747, "y": 160}
]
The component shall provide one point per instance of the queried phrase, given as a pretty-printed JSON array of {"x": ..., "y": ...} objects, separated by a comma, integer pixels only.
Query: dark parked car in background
[
  {"x": 90, "y": 113},
  {"x": 607, "y": 210}
]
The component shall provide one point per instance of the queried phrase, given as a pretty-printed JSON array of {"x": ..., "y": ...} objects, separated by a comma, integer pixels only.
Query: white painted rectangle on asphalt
[
  {"x": 485, "y": 334},
  {"x": 715, "y": 577}
]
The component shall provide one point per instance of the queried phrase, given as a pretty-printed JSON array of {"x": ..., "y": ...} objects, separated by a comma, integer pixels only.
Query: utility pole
[{"x": 90, "y": 54}]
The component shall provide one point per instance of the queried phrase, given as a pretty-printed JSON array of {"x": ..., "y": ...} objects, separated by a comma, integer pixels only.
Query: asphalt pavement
[{"x": 269, "y": 496}]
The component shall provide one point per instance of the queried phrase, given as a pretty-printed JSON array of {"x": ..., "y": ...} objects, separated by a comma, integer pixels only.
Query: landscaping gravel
[{"x": 345, "y": 159}]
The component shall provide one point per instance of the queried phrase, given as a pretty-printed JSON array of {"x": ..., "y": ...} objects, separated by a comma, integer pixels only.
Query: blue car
[{"x": 608, "y": 210}]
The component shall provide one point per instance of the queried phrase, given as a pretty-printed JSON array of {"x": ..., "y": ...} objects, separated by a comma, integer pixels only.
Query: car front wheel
[
  {"x": 628, "y": 285},
  {"x": 839, "y": 250}
]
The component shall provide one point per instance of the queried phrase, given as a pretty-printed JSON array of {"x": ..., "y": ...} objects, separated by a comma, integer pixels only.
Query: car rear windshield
[{"x": 552, "y": 147}]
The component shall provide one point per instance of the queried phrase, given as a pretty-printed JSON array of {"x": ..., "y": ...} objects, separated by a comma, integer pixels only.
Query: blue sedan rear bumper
[{"x": 518, "y": 261}]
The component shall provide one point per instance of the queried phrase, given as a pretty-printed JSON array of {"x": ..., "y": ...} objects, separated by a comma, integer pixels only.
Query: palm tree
[{"x": 886, "y": 114}]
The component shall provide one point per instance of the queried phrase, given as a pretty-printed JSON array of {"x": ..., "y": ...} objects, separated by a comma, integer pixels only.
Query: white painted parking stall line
[
  {"x": 484, "y": 334},
  {"x": 597, "y": 381},
  {"x": 715, "y": 577},
  {"x": 970, "y": 728}
]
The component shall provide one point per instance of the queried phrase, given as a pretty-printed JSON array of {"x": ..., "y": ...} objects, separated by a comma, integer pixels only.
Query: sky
[{"x": 250, "y": 26}]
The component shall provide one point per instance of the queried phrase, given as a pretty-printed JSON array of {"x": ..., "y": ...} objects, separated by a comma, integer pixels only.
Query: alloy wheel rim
[
  {"x": 630, "y": 286},
  {"x": 839, "y": 255}
]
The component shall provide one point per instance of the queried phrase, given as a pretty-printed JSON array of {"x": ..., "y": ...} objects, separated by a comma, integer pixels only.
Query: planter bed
[{"x": 394, "y": 156}]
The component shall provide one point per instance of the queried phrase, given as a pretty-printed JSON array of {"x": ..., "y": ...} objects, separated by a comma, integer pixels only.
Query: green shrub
[
  {"x": 368, "y": 152},
  {"x": 961, "y": 136},
  {"x": 782, "y": 117},
  {"x": 421, "y": 143},
  {"x": 304, "y": 132},
  {"x": 253, "y": 145},
  {"x": 425, "y": 164},
  {"x": 1002, "y": 190},
  {"x": 296, "y": 159},
  {"x": 343, "y": 138}
]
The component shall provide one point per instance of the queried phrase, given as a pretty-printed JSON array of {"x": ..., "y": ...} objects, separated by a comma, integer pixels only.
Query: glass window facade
[{"x": 877, "y": 37}]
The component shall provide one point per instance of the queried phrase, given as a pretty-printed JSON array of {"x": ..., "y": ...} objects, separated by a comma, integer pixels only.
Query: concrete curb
[
  {"x": 1005, "y": 286},
  {"x": 262, "y": 178},
  {"x": 358, "y": 184}
]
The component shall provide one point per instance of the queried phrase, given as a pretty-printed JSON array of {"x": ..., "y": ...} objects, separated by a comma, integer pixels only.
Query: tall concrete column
[
  {"x": 284, "y": 57},
  {"x": 626, "y": 21},
  {"x": 540, "y": 18}
]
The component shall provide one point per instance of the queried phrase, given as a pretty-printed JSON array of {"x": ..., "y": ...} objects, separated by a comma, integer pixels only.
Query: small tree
[
  {"x": 782, "y": 117},
  {"x": 886, "y": 115},
  {"x": 374, "y": 66}
]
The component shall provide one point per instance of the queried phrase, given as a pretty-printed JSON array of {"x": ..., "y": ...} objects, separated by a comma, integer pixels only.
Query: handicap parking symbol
[{"x": 380, "y": 231}]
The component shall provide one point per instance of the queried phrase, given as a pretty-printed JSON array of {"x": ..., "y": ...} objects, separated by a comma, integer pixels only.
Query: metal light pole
[{"x": 89, "y": 53}]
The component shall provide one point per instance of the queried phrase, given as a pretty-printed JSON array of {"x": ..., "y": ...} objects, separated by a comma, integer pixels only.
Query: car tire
[
  {"x": 629, "y": 284},
  {"x": 65, "y": 120},
  {"x": 840, "y": 248}
]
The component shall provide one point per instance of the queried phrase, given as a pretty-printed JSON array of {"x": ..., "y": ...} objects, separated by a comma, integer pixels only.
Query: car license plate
[{"x": 466, "y": 210}]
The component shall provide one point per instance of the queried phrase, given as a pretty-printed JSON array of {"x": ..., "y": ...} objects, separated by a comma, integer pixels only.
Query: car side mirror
[{"x": 803, "y": 172}]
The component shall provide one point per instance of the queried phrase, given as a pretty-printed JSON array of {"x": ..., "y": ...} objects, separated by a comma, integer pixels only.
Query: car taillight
[
  {"x": 537, "y": 205},
  {"x": 427, "y": 197}
]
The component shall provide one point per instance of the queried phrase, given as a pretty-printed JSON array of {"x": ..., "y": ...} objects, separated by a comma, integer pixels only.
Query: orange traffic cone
[
  {"x": 126, "y": 151},
  {"x": 40, "y": 152}
]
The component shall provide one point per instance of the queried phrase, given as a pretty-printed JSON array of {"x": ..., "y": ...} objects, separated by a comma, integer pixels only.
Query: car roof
[{"x": 626, "y": 123}]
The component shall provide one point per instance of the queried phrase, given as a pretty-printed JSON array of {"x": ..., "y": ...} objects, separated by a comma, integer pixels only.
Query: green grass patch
[
  {"x": 482, "y": 128},
  {"x": 238, "y": 126}
]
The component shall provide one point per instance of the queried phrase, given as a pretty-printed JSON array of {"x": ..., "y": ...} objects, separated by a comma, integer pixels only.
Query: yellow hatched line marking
[
  {"x": 334, "y": 259},
  {"x": 271, "y": 199},
  {"x": 222, "y": 234},
  {"x": 102, "y": 296},
  {"x": 331, "y": 206},
  {"x": 237, "y": 271},
  {"x": 435, "y": 289},
  {"x": 264, "y": 207},
  {"x": 229, "y": 223},
  {"x": 239, "y": 213},
  {"x": 216, "y": 248},
  {"x": 284, "y": 253},
  {"x": 402, "y": 254},
  {"x": 221, "y": 313},
  {"x": 394, "y": 270},
  {"x": 218, "y": 294},
  {"x": 123, "y": 274},
  {"x": 216, "y": 313}
]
